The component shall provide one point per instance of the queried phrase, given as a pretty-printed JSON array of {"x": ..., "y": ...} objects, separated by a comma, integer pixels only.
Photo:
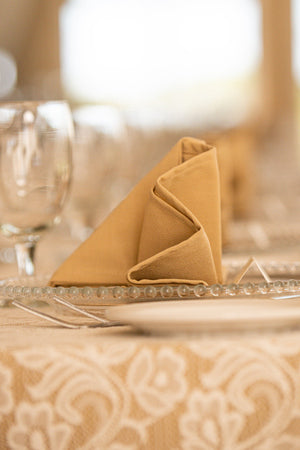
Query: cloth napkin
[{"x": 167, "y": 230}]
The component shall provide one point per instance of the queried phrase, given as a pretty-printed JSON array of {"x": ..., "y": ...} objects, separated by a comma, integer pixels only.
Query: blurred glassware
[
  {"x": 8, "y": 73},
  {"x": 7, "y": 255},
  {"x": 35, "y": 168},
  {"x": 100, "y": 159}
]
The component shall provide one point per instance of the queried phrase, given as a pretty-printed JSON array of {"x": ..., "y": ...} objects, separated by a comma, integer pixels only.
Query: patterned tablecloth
[{"x": 114, "y": 389}]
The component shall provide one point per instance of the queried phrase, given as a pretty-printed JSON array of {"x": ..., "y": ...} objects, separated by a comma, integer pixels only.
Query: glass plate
[{"x": 286, "y": 280}]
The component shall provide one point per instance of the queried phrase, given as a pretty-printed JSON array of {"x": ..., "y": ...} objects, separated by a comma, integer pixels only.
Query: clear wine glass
[{"x": 35, "y": 172}]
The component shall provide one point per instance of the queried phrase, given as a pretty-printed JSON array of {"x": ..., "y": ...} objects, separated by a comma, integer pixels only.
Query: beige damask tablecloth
[{"x": 114, "y": 389}]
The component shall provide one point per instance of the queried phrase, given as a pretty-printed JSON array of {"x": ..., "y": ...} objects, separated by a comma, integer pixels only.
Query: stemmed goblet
[{"x": 35, "y": 172}]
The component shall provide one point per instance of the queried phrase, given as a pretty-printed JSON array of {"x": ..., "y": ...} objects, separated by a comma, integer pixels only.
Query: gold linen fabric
[
  {"x": 114, "y": 389},
  {"x": 168, "y": 229}
]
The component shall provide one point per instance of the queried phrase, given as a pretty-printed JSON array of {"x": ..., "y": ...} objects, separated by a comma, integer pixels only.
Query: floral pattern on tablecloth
[
  {"x": 198, "y": 394},
  {"x": 6, "y": 395}
]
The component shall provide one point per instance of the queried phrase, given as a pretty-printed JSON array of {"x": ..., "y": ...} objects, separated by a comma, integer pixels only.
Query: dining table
[
  {"x": 118, "y": 388},
  {"x": 128, "y": 388}
]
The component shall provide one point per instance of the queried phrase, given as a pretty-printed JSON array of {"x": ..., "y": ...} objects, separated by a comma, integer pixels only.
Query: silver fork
[{"x": 100, "y": 321}]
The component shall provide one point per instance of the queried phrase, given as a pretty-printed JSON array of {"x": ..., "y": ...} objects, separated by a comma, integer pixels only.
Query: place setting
[
  {"x": 155, "y": 263},
  {"x": 149, "y": 225}
]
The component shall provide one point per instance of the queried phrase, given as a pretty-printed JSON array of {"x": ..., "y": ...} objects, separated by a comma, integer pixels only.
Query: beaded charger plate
[{"x": 250, "y": 279}]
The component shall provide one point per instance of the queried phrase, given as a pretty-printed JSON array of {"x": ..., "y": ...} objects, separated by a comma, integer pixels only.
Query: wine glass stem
[{"x": 25, "y": 252}]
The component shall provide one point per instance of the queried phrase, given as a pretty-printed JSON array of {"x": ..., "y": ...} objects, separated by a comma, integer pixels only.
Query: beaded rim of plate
[{"x": 10, "y": 288}]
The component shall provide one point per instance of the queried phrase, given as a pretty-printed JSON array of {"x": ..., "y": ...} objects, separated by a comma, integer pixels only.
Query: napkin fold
[{"x": 167, "y": 230}]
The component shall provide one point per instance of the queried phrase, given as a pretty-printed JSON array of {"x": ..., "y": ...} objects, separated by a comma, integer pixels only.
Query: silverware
[{"x": 100, "y": 321}]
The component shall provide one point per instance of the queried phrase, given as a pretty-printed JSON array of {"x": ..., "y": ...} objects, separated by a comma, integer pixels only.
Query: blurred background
[{"x": 140, "y": 74}]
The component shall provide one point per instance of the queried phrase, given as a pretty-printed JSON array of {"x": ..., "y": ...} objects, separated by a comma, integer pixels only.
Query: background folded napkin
[{"x": 167, "y": 230}]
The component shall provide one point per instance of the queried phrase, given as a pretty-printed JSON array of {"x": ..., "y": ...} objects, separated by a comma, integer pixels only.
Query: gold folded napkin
[{"x": 167, "y": 230}]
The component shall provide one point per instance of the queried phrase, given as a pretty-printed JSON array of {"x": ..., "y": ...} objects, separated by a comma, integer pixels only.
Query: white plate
[{"x": 194, "y": 316}]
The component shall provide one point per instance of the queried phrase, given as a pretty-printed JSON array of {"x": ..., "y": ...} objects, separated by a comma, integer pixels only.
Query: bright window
[
  {"x": 186, "y": 56},
  {"x": 296, "y": 39}
]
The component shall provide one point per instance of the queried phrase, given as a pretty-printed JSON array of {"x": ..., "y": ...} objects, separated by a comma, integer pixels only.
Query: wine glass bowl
[{"x": 35, "y": 172}]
